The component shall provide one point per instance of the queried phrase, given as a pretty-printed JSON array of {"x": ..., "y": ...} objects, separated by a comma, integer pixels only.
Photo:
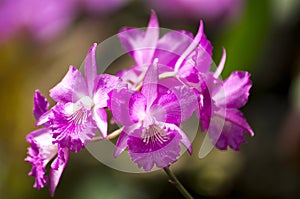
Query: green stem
[{"x": 177, "y": 184}]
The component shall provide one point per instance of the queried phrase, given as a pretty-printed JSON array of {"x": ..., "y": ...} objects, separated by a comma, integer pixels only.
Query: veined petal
[
  {"x": 232, "y": 132},
  {"x": 40, "y": 152},
  {"x": 149, "y": 89},
  {"x": 187, "y": 101},
  {"x": 72, "y": 125},
  {"x": 57, "y": 167},
  {"x": 71, "y": 88},
  {"x": 121, "y": 144},
  {"x": 100, "y": 116},
  {"x": 141, "y": 44},
  {"x": 171, "y": 46},
  {"x": 153, "y": 146},
  {"x": 104, "y": 83},
  {"x": 119, "y": 106},
  {"x": 184, "y": 139},
  {"x": 40, "y": 106},
  {"x": 235, "y": 90},
  {"x": 137, "y": 107},
  {"x": 90, "y": 69}
]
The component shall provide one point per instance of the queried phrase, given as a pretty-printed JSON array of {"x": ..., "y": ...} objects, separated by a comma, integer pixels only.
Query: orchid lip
[{"x": 154, "y": 133}]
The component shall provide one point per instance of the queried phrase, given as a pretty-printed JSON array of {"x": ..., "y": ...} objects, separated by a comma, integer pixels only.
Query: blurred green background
[{"x": 263, "y": 38}]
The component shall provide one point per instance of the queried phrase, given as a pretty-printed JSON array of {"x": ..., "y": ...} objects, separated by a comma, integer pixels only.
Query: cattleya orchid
[
  {"x": 170, "y": 81},
  {"x": 43, "y": 150},
  {"x": 151, "y": 132}
]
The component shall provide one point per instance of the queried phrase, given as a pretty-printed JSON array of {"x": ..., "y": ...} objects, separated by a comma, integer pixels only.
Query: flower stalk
[{"x": 173, "y": 180}]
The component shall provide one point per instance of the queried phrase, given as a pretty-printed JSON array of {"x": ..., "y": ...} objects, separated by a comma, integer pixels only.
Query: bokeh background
[{"x": 40, "y": 39}]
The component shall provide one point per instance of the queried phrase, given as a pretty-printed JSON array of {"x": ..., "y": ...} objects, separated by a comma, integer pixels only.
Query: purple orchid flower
[
  {"x": 81, "y": 102},
  {"x": 42, "y": 150},
  {"x": 151, "y": 120},
  {"x": 228, "y": 97},
  {"x": 176, "y": 51}
]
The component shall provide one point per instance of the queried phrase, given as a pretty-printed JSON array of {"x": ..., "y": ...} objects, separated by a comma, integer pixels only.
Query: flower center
[{"x": 153, "y": 133}]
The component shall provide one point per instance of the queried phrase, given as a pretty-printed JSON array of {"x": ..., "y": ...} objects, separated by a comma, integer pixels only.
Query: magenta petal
[
  {"x": 40, "y": 152},
  {"x": 71, "y": 88},
  {"x": 232, "y": 132},
  {"x": 121, "y": 144},
  {"x": 72, "y": 126},
  {"x": 41, "y": 104},
  {"x": 229, "y": 135},
  {"x": 137, "y": 107},
  {"x": 57, "y": 167},
  {"x": 160, "y": 153},
  {"x": 119, "y": 106},
  {"x": 100, "y": 116},
  {"x": 184, "y": 139},
  {"x": 236, "y": 90},
  {"x": 104, "y": 83},
  {"x": 236, "y": 117},
  {"x": 141, "y": 44},
  {"x": 187, "y": 101},
  {"x": 149, "y": 89},
  {"x": 90, "y": 68},
  {"x": 171, "y": 46}
]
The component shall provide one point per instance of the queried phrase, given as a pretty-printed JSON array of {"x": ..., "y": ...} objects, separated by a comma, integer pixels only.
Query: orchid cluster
[{"x": 170, "y": 81}]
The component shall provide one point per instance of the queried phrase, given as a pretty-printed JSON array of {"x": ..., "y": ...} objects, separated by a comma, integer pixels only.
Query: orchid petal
[
  {"x": 100, "y": 116},
  {"x": 236, "y": 90},
  {"x": 184, "y": 139},
  {"x": 119, "y": 106},
  {"x": 71, "y": 88},
  {"x": 41, "y": 104},
  {"x": 191, "y": 47},
  {"x": 90, "y": 68},
  {"x": 229, "y": 130},
  {"x": 104, "y": 83},
  {"x": 121, "y": 144},
  {"x": 72, "y": 125},
  {"x": 149, "y": 89},
  {"x": 221, "y": 65},
  {"x": 57, "y": 167},
  {"x": 171, "y": 46},
  {"x": 137, "y": 107},
  {"x": 159, "y": 151},
  {"x": 141, "y": 44}
]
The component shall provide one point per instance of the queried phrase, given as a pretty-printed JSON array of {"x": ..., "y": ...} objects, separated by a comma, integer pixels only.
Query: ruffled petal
[
  {"x": 57, "y": 168},
  {"x": 40, "y": 152},
  {"x": 184, "y": 139},
  {"x": 40, "y": 106},
  {"x": 90, "y": 69},
  {"x": 104, "y": 83},
  {"x": 236, "y": 90},
  {"x": 71, "y": 88},
  {"x": 149, "y": 150},
  {"x": 229, "y": 131},
  {"x": 141, "y": 45},
  {"x": 100, "y": 116},
  {"x": 72, "y": 125}
]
